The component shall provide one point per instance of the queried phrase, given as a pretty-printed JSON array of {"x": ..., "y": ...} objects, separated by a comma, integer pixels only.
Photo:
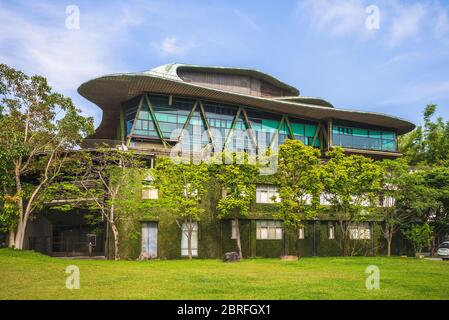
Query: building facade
[{"x": 202, "y": 109}]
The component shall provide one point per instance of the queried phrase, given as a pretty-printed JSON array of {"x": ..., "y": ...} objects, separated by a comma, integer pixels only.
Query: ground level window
[
  {"x": 301, "y": 233},
  {"x": 149, "y": 193},
  {"x": 233, "y": 230},
  {"x": 331, "y": 232},
  {"x": 360, "y": 232},
  {"x": 268, "y": 230},
  {"x": 265, "y": 194},
  {"x": 149, "y": 239},
  {"x": 184, "y": 240}
]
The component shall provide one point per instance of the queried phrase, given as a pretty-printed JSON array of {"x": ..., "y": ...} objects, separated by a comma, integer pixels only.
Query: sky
[{"x": 387, "y": 56}]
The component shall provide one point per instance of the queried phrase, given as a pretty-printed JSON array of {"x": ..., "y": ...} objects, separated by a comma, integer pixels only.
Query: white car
[{"x": 443, "y": 250}]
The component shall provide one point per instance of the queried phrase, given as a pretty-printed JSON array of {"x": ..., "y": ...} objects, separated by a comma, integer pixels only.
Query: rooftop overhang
[{"x": 109, "y": 92}]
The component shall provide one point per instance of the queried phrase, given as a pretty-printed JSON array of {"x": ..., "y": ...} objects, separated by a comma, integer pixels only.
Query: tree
[
  {"x": 181, "y": 188},
  {"x": 419, "y": 236},
  {"x": 350, "y": 185},
  {"x": 394, "y": 173},
  {"x": 237, "y": 179},
  {"x": 428, "y": 144},
  {"x": 437, "y": 179},
  {"x": 299, "y": 183},
  {"x": 107, "y": 176},
  {"x": 39, "y": 129}
]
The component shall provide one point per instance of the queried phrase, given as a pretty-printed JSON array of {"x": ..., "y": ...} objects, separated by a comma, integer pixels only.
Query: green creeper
[
  {"x": 237, "y": 180},
  {"x": 351, "y": 184},
  {"x": 182, "y": 187},
  {"x": 298, "y": 174}
]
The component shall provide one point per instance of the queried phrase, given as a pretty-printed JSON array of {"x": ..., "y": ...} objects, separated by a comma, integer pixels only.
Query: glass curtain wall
[
  {"x": 220, "y": 117},
  {"x": 362, "y": 138}
]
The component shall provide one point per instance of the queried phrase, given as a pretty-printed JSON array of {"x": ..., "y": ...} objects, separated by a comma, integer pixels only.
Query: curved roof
[
  {"x": 172, "y": 70},
  {"x": 108, "y": 92}
]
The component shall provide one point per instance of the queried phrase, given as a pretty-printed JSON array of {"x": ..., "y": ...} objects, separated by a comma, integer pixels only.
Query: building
[{"x": 149, "y": 111}]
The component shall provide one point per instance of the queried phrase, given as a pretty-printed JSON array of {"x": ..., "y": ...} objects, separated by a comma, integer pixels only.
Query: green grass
[{"x": 28, "y": 275}]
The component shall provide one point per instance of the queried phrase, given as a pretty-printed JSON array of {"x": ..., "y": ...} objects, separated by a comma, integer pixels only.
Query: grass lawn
[{"x": 28, "y": 275}]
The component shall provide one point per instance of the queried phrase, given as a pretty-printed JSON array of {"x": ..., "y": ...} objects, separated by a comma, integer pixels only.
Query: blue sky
[{"x": 321, "y": 47}]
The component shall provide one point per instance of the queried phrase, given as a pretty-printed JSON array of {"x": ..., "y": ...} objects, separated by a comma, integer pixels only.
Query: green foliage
[
  {"x": 351, "y": 185},
  {"x": 428, "y": 144},
  {"x": 299, "y": 181},
  {"x": 39, "y": 129},
  {"x": 419, "y": 235},
  {"x": 9, "y": 212},
  {"x": 393, "y": 185},
  {"x": 237, "y": 180},
  {"x": 181, "y": 187}
]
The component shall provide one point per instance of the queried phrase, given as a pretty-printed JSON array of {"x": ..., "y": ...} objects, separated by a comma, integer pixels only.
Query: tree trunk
[
  {"x": 389, "y": 240},
  {"x": 11, "y": 241},
  {"x": 19, "y": 234},
  {"x": 116, "y": 241},
  {"x": 343, "y": 242},
  {"x": 189, "y": 242},
  {"x": 237, "y": 236}
]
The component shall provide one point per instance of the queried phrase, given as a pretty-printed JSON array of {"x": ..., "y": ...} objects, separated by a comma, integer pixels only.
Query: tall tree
[
  {"x": 39, "y": 129},
  {"x": 237, "y": 179},
  {"x": 425, "y": 196},
  {"x": 427, "y": 144},
  {"x": 350, "y": 187},
  {"x": 419, "y": 235},
  {"x": 181, "y": 188},
  {"x": 106, "y": 177},
  {"x": 299, "y": 183},
  {"x": 394, "y": 173}
]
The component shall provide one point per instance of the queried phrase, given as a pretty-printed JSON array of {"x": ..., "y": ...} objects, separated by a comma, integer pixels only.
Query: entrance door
[
  {"x": 184, "y": 242},
  {"x": 149, "y": 239}
]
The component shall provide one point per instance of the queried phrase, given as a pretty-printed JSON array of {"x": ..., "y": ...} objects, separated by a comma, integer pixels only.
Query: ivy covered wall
[{"x": 214, "y": 234}]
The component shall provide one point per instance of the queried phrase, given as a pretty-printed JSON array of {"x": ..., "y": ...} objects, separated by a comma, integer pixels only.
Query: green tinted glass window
[
  {"x": 310, "y": 130},
  {"x": 298, "y": 129},
  {"x": 359, "y": 132},
  {"x": 388, "y": 135},
  {"x": 360, "y": 138}
]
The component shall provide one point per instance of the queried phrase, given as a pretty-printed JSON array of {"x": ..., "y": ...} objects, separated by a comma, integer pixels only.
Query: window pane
[
  {"x": 272, "y": 233},
  {"x": 278, "y": 233},
  {"x": 264, "y": 233}
]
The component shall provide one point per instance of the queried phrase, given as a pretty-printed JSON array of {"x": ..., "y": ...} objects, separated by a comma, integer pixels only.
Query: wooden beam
[
  {"x": 289, "y": 126},
  {"x": 156, "y": 124},
  {"x": 277, "y": 131},
  {"x": 234, "y": 121},
  {"x": 250, "y": 130},
  {"x": 325, "y": 136},
  {"x": 206, "y": 124},
  {"x": 317, "y": 131},
  {"x": 135, "y": 120},
  {"x": 186, "y": 124}
]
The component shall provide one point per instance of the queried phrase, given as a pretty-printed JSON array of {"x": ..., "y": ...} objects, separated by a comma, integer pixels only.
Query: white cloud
[
  {"x": 442, "y": 24},
  {"x": 171, "y": 46},
  {"x": 420, "y": 93},
  {"x": 247, "y": 20},
  {"x": 407, "y": 22},
  {"x": 339, "y": 18},
  {"x": 400, "y": 21},
  {"x": 66, "y": 57},
  {"x": 402, "y": 58}
]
